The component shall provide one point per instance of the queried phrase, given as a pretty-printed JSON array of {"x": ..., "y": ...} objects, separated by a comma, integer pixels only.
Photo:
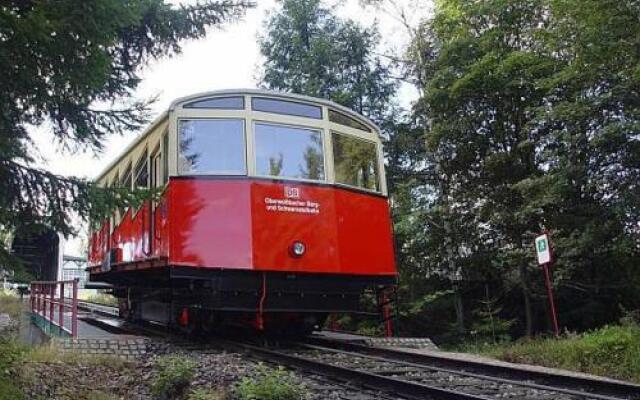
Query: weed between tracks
[
  {"x": 270, "y": 384},
  {"x": 174, "y": 374}
]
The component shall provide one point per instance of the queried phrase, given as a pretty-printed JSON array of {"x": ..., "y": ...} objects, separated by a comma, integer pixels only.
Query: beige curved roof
[{"x": 233, "y": 92}]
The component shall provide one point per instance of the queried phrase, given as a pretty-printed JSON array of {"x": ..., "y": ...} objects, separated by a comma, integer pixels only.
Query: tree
[
  {"x": 74, "y": 65},
  {"x": 590, "y": 194},
  {"x": 530, "y": 119},
  {"x": 308, "y": 50}
]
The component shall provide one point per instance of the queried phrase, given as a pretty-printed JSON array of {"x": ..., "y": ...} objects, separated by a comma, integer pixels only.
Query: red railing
[{"x": 51, "y": 300}]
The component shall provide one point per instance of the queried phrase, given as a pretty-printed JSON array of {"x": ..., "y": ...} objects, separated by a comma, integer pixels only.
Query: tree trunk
[
  {"x": 527, "y": 301},
  {"x": 459, "y": 309}
]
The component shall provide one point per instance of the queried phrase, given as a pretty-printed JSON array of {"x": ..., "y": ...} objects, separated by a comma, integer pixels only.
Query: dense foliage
[
  {"x": 530, "y": 118},
  {"x": 72, "y": 67}
]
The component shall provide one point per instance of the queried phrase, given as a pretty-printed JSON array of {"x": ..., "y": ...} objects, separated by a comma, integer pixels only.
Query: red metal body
[
  {"x": 51, "y": 297},
  {"x": 250, "y": 224}
]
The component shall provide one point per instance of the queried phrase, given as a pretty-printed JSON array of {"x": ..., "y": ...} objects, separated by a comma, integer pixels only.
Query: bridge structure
[{"x": 54, "y": 307}]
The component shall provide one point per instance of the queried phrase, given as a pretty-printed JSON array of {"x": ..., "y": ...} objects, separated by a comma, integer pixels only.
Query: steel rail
[
  {"x": 569, "y": 384},
  {"x": 404, "y": 388},
  {"x": 469, "y": 374},
  {"x": 98, "y": 308}
]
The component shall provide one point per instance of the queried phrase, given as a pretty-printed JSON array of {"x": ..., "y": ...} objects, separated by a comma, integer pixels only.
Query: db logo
[{"x": 291, "y": 192}]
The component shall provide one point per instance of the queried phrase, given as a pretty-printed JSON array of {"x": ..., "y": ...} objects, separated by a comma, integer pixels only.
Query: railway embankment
[
  {"x": 612, "y": 351},
  {"x": 111, "y": 369},
  {"x": 164, "y": 373}
]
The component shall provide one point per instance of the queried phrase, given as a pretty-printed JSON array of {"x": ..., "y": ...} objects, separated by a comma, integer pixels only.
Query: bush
[
  {"x": 270, "y": 384},
  {"x": 174, "y": 374}
]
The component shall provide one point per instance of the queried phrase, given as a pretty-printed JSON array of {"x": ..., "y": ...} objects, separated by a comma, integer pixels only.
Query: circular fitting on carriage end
[{"x": 297, "y": 249}]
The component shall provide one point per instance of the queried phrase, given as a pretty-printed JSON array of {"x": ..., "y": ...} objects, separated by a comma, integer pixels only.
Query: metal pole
[
  {"x": 31, "y": 298},
  {"x": 386, "y": 314},
  {"x": 40, "y": 306},
  {"x": 61, "y": 308},
  {"x": 552, "y": 306},
  {"x": 74, "y": 310},
  {"x": 52, "y": 292}
]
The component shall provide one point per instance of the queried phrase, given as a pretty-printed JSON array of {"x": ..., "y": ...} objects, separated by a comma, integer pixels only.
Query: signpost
[{"x": 545, "y": 259}]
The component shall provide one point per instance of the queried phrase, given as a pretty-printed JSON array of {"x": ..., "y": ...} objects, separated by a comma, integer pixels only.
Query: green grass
[
  {"x": 173, "y": 376},
  {"x": 11, "y": 353},
  {"x": 10, "y": 304},
  {"x": 102, "y": 298},
  {"x": 270, "y": 384},
  {"x": 612, "y": 351}
]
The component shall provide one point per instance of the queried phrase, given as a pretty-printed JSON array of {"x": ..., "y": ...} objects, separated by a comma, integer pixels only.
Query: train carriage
[{"x": 273, "y": 212}]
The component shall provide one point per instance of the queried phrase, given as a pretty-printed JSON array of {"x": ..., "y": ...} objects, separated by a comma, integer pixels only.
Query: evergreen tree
[
  {"x": 74, "y": 66},
  {"x": 308, "y": 50}
]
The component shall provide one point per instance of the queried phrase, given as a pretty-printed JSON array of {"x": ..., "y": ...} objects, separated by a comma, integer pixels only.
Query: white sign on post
[{"x": 542, "y": 249}]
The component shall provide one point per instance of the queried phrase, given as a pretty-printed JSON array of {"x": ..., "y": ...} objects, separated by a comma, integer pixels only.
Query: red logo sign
[{"x": 291, "y": 192}]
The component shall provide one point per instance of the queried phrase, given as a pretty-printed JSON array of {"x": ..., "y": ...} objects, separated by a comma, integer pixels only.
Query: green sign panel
[{"x": 542, "y": 249}]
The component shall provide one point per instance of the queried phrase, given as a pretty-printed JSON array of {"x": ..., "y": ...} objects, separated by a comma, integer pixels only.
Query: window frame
[
  {"x": 360, "y": 124},
  {"x": 143, "y": 157},
  {"x": 320, "y": 129},
  {"x": 190, "y": 105},
  {"x": 379, "y": 178},
  {"x": 292, "y": 101},
  {"x": 245, "y": 154},
  {"x": 128, "y": 170}
]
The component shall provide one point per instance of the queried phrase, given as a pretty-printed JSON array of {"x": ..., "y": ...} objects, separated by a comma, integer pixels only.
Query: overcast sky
[{"x": 227, "y": 58}]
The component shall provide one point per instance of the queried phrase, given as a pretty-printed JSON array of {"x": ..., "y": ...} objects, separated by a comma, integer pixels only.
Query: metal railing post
[
  {"x": 52, "y": 309},
  {"x": 61, "y": 307},
  {"x": 46, "y": 301},
  {"x": 31, "y": 297},
  {"x": 74, "y": 310},
  {"x": 39, "y": 298}
]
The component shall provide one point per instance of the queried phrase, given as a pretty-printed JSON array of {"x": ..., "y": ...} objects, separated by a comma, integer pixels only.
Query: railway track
[
  {"x": 98, "y": 308},
  {"x": 409, "y": 379},
  {"x": 597, "y": 388},
  {"x": 407, "y": 375}
]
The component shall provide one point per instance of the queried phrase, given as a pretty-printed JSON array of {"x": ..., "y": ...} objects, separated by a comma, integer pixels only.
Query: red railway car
[{"x": 273, "y": 212}]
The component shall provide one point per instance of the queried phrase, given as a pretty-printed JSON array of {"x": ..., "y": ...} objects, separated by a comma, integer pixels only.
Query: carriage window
[
  {"x": 165, "y": 158},
  {"x": 212, "y": 146},
  {"x": 142, "y": 172},
  {"x": 356, "y": 162},
  {"x": 342, "y": 119},
  {"x": 125, "y": 180},
  {"x": 286, "y": 107},
  {"x": 220, "y": 103},
  {"x": 289, "y": 152}
]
